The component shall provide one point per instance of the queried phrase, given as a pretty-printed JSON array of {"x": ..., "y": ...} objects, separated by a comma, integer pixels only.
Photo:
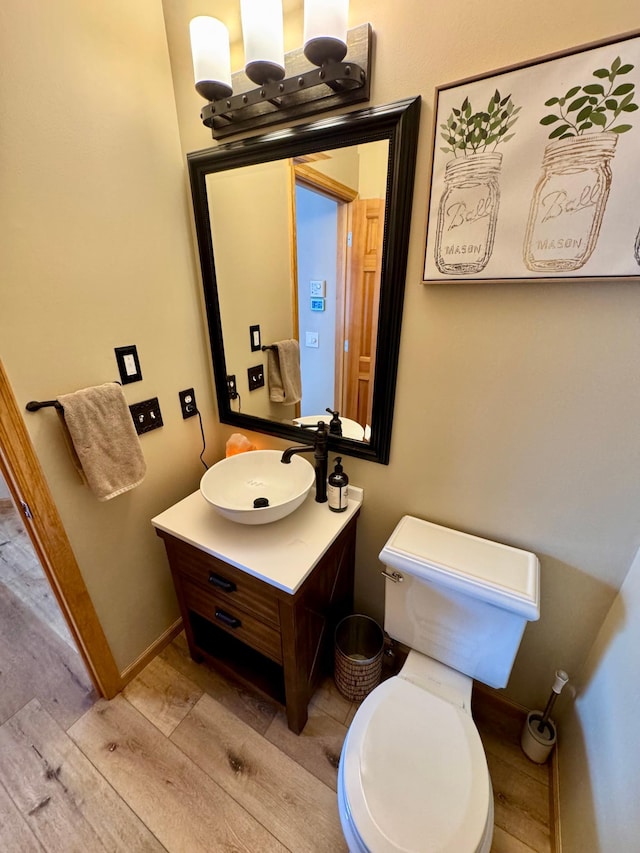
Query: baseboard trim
[
  {"x": 150, "y": 653},
  {"x": 486, "y": 697}
]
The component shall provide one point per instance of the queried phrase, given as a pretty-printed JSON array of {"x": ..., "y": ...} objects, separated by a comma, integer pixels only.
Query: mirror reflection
[
  {"x": 307, "y": 233},
  {"x": 303, "y": 236}
]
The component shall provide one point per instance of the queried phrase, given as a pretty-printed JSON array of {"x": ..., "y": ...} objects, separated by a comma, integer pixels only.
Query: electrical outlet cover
[
  {"x": 188, "y": 403},
  {"x": 232, "y": 386}
]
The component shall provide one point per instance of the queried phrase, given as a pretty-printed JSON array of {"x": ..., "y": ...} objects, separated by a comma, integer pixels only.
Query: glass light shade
[
  {"x": 211, "y": 57},
  {"x": 325, "y": 30},
  {"x": 263, "y": 39}
]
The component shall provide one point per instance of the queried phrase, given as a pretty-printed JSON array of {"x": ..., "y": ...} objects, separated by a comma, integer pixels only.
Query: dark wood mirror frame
[{"x": 398, "y": 123}]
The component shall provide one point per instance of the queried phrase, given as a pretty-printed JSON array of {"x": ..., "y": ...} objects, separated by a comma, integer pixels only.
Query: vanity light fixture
[
  {"x": 263, "y": 37},
  {"x": 330, "y": 70},
  {"x": 211, "y": 57}
]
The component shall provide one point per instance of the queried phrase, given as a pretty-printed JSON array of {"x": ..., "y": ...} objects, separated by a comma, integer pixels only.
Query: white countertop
[{"x": 282, "y": 553}]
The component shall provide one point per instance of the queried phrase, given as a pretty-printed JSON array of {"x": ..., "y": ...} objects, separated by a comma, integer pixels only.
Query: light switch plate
[
  {"x": 255, "y": 337},
  {"x": 128, "y": 364},
  {"x": 146, "y": 415},
  {"x": 255, "y": 377},
  {"x": 312, "y": 339}
]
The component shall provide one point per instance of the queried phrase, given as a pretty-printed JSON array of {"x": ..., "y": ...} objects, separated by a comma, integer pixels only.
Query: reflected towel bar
[{"x": 269, "y": 346}]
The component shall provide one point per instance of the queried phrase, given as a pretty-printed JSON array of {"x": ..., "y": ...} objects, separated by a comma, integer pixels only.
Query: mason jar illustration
[
  {"x": 468, "y": 214},
  {"x": 568, "y": 202}
]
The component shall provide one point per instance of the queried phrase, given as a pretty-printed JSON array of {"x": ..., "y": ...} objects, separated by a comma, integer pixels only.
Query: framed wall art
[{"x": 536, "y": 170}]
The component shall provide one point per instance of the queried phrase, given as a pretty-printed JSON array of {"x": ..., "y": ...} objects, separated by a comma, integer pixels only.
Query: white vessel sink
[{"x": 234, "y": 484}]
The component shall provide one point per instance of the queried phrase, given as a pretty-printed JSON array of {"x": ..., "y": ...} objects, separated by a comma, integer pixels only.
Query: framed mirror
[{"x": 303, "y": 236}]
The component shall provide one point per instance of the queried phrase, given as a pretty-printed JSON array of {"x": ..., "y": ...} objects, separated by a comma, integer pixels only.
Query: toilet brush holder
[
  {"x": 536, "y": 744},
  {"x": 539, "y": 732}
]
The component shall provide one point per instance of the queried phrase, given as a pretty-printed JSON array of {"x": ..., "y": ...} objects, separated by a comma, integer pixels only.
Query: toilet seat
[{"x": 414, "y": 775}]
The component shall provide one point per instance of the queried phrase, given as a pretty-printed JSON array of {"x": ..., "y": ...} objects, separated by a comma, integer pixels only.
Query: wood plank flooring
[
  {"x": 185, "y": 760},
  {"x": 66, "y": 803},
  {"x": 37, "y": 655},
  {"x": 521, "y": 791},
  {"x": 22, "y": 574}
]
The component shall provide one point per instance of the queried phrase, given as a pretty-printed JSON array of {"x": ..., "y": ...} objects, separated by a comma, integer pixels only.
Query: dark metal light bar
[{"x": 304, "y": 91}]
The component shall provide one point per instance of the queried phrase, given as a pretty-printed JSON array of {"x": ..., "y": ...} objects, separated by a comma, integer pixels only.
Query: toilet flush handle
[{"x": 396, "y": 577}]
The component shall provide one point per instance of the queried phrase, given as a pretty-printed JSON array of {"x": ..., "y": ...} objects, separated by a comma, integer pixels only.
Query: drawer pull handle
[
  {"x": 221, "y": 583},
  {"x": 227, "y": 619}
]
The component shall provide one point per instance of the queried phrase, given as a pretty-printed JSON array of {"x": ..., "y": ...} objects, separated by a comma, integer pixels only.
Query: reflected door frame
[{"x": 304, "y": 175}]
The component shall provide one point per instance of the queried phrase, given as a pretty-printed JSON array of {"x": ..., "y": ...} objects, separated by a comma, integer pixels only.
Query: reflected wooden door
[{"x": 361, "y": 308}]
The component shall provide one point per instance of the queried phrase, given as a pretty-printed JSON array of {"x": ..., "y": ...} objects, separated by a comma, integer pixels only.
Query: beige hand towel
[
  {"x": 104, "y": 438},
  {"x": 283, "y": 365}
]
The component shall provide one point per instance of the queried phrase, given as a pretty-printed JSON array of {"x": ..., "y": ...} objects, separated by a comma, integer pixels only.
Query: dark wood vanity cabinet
[{"x": 280, "y": 642}]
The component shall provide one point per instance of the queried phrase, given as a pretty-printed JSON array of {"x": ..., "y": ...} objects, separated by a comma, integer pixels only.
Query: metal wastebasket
[{"x": 359, "y": 643}]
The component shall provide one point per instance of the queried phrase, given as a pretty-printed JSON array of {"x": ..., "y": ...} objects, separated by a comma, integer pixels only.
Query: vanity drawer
[
  {"x": 231, "y": 586},
  {"x": 233, "y": 619}
]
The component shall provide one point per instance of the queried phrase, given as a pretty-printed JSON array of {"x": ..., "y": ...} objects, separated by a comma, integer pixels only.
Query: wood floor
[
  {"x": 186, "y": 761},
  {"x": 37, "y": 654},
  {"x": 22, "y": 574}
]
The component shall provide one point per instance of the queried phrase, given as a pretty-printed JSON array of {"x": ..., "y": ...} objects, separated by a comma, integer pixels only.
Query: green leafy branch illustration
[
  {"x": 468, "y": 132},
  {"x": 593, "y": 107}
]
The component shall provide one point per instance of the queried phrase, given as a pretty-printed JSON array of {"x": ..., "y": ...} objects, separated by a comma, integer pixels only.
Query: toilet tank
[{"x": 460, "y": 599}]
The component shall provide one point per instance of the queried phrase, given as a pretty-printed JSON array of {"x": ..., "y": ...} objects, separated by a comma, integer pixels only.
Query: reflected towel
[
  {"x": 283, "y": 365},
  {"x": 101, "y": 430}
]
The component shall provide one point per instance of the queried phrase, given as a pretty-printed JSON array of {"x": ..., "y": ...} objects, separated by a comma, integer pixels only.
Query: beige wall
[
  {"x": 517, "y": 406},
  {"x": 96, "y": 253},
  {"x": 249, "y": 214},
  {"x": 374, "y": 158},
  {"x": 361, "y": 167},
  {"x": 516, "y": 403},
  {"x": 343, "y": 166}
]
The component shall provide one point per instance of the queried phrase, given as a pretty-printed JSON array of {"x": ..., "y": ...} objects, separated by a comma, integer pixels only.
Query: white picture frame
[{"x": 536, "y": 170}]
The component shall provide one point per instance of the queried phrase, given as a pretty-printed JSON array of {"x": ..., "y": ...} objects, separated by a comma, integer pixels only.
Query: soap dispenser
[{"x": 338, "y": 491}]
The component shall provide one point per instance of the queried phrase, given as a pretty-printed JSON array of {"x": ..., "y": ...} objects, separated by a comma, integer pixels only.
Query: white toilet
[{"x": 413, "y": 775}]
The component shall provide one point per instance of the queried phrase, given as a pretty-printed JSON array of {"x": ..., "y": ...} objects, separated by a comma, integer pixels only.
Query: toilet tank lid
[{"x": 500, "y": 574}]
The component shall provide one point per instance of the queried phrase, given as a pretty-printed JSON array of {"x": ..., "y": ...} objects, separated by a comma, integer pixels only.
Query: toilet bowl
[{"x": 413, "y": 775}]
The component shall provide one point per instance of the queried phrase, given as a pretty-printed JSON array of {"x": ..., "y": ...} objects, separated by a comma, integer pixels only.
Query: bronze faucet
[
  {"x": 320, "y": 457},
  {"x": 335, "y": 424}
]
